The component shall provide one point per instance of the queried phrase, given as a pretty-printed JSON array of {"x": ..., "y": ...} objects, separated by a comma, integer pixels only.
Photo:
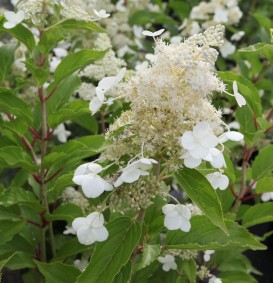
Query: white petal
[
  {"x": 159, "y": 32},
  {"x": 79, "y": 179},
  {"x": 184, "y": 211},
  {"x": 94, "y": 167},
  {"x": 95, "y": 219},
  {"x": 240, "y": 99},
  {"x": 85, "y": 236},
  {"x": 188, "y": 140},
  {"x": 118, "y": 182},
  {"x": 172, "y": 222},
  {"x": 161, "y": 259},
  {"x": 120, "y": 75},
  {"x": 199, "y": 152},
  {"x": 82, "y": 169},
  {"x": 185, "y": 226},
  {"x": 107, "y": 83},
  {"x": 235, "y": 87},
  {"x": 191, "y": 162},
  {"x": 166, "y": 267},
  {"x": 9, "y": 25},
  {"x": 100, "y": 94},
  {"x": 267, "y": 197},
  {"x": 20, "y": 15},
  {"x": 100, "y": 234},
  {"x": 201, "y": 129},
  {"x": 92, "y": 186},
  {"x": 149, "y": 33},
  {"x": 206, "y": 257},
  {"x": 218, "y": 161},
  {"x": 210, "y": 140},
  {"x": 131, "y": 176},
  {"x": 213, "y": 180},
  {"x": 234, "y": 136},
  {"x": 79, "y": 222},
  {"x": 223, "y": 182},
  {"x": 101, "y": 14},
  {"x": 169, "y": 209},
  {"x": 10, "y": 16},
  {"x": 95, "y": 104}
]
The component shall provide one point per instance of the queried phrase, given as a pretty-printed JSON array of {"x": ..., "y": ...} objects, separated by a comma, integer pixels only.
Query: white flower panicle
[
  {"x": 168, "y": 262},
  {"x": 86, "y": 176},
  {"x": 90, "y": 229},
  {"x": 177, "y": 217}
]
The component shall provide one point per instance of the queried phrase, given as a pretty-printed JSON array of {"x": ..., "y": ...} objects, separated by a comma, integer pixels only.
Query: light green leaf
[
  {"x": 264, "y": 185},
  {"x": 13, "y": 196},
  {"x": 124, "y": 275},
  {"x": 75, "y": 62},
  {"x": 6, "y": 59},
  {"x": 263, "y": 49},
  {"x": 58, "y": 272},
  {"x": 67, "y": 212},
  {"x": 150, "y": 253},
  {"x": 263, "y": 163},
  {"x": 238, "y": 277},
  {"x": 257, "y": 214},
  {"x": 21, "y": 33},
  {"x": 202, "y": 194},
  {"x": 110, "y": 256},
  {"x": 16, "y": 157},
  {"x": 206, "y": 236},
  {"x": 189, "y": 267},
  {"x": 14, "y": 105},
  {"x": 75, "y": 24}
]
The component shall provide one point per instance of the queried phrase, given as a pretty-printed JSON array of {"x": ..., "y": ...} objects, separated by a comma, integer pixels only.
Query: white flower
[
  {"x": 60, "y": 52},
  {"x": 81, "y": 264},
  {"x": 267, "y": 196},
  {"x": 109, "y": 82},
  {"x": 90, "y": 229},
  {"x": 13, "y": 19},
  {"x": 101, "y": 14},
  {"x": 168, "y": 262},
  {"x": 69, "y": 230},
  {"x": 237, "y": 36},
  {"x": 214, "y": 279},
  {"x": 220, "y": 15},
  {"x": 208, "y": 254},
  {"x": 191, "y": 162},
  {"x": 227, "y": 48},
  {"x": 54, "y": 63},
  {"x": 97, "y": 101},
  {"x": 133, "y": 171},
  {"x": 177, "y": 217},
  {"x": 153, "y": 34},
  {"x": 199, "y": 141},
  {"x": 218, "y": 180},
  {"x": 216, "y": 158},
  {"x": 86, "y": 176},
  {"x": 239, "y": 98},
  {"x": 61, "y": 133},
  {"x": 231, "y": 135}
]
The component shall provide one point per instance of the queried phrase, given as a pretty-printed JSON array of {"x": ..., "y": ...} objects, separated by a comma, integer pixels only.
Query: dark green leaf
[
  {"x": 150, "y": 253},
  {"x": 9, "y": 228},
  {"x": 263, "y": 163},
  {"x": 189, "y": 267},
  {"x": 67, "y": 212},
  {"x": 124, "y": 275},
  {"x": 40, "y": 74},
  {"x": 6, "y": 59}
]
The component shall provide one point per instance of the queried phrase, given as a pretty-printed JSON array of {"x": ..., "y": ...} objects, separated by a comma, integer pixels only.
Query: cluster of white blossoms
[{"x": 70, "y": 195}]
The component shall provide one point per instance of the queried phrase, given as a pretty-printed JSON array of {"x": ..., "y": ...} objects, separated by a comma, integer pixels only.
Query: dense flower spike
[
  {"x": 168, "y": 262},
  {"x": 177, "y": 217},
  {"x": 90, "y": 229},
  {"x": 86, "y": 176}
]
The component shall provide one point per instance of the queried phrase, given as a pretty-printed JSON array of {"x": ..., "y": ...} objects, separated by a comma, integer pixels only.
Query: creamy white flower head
[
  {"x": 109, "y": 82},
  {"x": 133, "y": 171},
  {"x": 13, "y": 19},
  {"x": 168, "y": 262},
  {"x": 231, "y": 135},
  {"x": 199, "y": 141},
  {"x": 86, "y": 176},
  {"x": 177, "y": 217},
  {"x": 208, "y": 254},
  {"x": 218, "y": 180},
  {"x": 237, "y": 36},
  {"x": 267, "y": 196},
  {"x": 90, "y": 229},
  {"x": 101, "y": 14},
  {"x": 61, "y": 133},
  {"x": 239, "y": 98},
  {"x": 214, "y": 279},
  {"x": 153, "y": 34},
  {"x": 220, "y": 15}
]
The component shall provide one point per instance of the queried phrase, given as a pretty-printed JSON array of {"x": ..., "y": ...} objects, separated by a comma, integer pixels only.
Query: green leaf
[
  {"x": 257, "y": 214},
  {"x": 6, "y": 59},
  {"x": 88, "y": 122},
  {"x": 75, "y": 62},
  {"x": 206, "y": 236},
  {"x": 75, "y": 24},
  {"x": 143, "y": 17},
  {"x": 189, "y": 267},
  {"x": 20, "y": 260},
  {"x": 62, "y": 182},
  {"x": 21, "y": 33},
  {"x": 150, "y": 253},
  {"x": 57, "y": 272},
  {"x": 264, "y": 185},
  {"x": 72, "y": 110},
  {"x": 13, "y": 196},
  {"x": 124, "y": 275},
  {"x": 40, "y": 74},
  {"x": 263, "y": 49},
  {"x": 110, "y": 256},
  {"x": 9, "y": 228},
  {"x": 67, "y": 212},
  {"x": 247, "y": 89},
  {"x": 16, "y": 157},
  {"x": 238, "y": 277},
  {"x": 202, "y": 194},
  {"x": 263, "y": 163},
  {"x": 14, "y": 105}
]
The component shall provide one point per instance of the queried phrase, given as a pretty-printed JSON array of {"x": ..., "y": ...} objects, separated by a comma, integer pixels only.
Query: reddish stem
[
  {"x": 249, "y": 197},
  {"x": 36, "y": 178},
  {"x": 232, "y": 190},
  {"x": 250, "y": 187},
  {"x": 54, "y": 175},
  {"x": 52, "y": 92},
  {"x": 31, "y": 222}
]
